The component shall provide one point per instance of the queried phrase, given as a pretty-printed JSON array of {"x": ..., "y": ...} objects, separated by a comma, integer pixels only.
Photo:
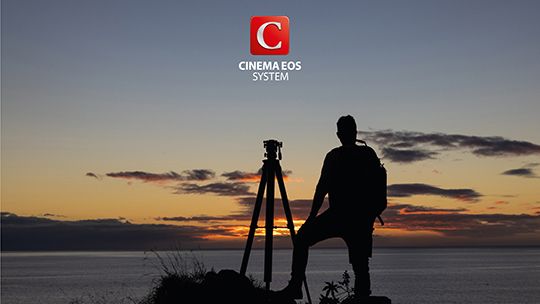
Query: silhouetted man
[{"x": 356, "y": 198}]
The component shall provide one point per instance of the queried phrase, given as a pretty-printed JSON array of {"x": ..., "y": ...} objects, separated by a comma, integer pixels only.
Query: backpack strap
[{"x": 362, "y": 142}]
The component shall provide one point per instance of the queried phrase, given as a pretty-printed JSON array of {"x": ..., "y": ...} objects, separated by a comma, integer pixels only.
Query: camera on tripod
[
  {"x": 273, "y": 149},
  {"x": 271, "y": 172}
]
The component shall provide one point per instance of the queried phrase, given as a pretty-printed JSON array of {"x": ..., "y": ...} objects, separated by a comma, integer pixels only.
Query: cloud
[
  {"x": 299, "y": 208},
  {"x": 242, "y": 175},
  {"x": 407, "y": 190},
  {"x": 407, "y": 208},
  {"x": 409, "y": 146},
  {"x": 454, "y": 226},
  {"x": 52, "y": 215},
  {"x": 146, "y": 176},
  {"x": 188, "y": 181},
  {"x": 12, "y": 218},
  {"x": 219, "y": 188},
  {"x": 36, "y": 233},
  {"x": 524, "y": 172},
  {"x": 249, "y": 176},
  {"x": 199, "y": 218},
  {"x": 476, "y": 227},
  {"x": 407, "y": 156},
  {"x": 90, "y": 174},
  {"x": 198, "y": 174},
  {"x": 233, "y": 183},
  {"x": 171, "y": 176}
]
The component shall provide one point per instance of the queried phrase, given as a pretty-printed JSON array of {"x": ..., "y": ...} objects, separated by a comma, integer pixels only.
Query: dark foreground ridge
[{"x": 228, "y": 286}]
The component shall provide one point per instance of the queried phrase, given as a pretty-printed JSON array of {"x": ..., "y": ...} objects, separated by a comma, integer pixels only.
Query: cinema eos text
[{"x": 270, "y": 70}]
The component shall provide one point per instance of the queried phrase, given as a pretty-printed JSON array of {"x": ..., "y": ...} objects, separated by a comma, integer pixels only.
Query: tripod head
[{"x": 273, "y": 149}]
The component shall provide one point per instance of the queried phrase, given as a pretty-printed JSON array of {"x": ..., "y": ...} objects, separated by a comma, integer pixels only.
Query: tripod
[{"x": 271, "y": 170}]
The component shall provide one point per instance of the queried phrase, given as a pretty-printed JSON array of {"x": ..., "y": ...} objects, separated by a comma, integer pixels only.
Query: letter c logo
[
  {"x": 260, "y": 35},
  {"x": 269, "y": 35}
]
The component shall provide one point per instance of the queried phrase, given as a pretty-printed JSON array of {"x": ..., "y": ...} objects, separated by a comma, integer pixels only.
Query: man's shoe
[
  {"x": 291, "y": 291},
  {"x": 362, "y": 293}
]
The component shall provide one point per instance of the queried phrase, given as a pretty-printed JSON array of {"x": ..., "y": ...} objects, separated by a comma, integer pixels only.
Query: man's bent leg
[{"x": 320, "y": 228}]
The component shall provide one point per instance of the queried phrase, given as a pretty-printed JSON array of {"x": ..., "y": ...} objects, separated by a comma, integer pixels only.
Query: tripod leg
[
  {"x": 254, "y": 220},
  {"x": 269, "y": 222},
  {"x": 285, "y": 201},
  {"x": 288, "y": 215}
]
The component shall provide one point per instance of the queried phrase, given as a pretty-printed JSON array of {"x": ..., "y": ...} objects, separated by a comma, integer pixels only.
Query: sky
[{"x": 124, "y": 120}]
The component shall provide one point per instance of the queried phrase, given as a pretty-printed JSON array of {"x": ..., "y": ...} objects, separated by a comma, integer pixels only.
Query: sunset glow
[{"x": 147, "y": 127}]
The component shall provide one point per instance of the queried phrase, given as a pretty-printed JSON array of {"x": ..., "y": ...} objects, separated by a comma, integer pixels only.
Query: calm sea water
[{"x": 458, "y": 275}]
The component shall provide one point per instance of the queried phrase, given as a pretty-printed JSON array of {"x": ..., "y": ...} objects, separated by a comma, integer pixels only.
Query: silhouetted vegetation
[
  {"x": 189, "y": 282},
  {"x": 335, "y": 293}
]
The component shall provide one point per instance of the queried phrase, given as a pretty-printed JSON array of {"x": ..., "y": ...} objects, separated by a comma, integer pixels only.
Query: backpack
[{"x": 379, "y": 187}]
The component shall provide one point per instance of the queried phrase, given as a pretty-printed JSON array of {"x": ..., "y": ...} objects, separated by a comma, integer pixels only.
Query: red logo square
[{"x": 269, "y": 35}]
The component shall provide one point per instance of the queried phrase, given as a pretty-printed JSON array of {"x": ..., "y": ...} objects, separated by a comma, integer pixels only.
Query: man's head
[{"x": 346, "y": 130}]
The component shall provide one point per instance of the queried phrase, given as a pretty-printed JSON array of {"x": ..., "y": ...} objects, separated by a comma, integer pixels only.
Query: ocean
[{"x": 412, "y": 275}]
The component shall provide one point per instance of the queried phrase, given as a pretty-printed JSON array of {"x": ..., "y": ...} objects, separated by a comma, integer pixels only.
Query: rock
[
  {"x": 368, "y": 300},
  {"x": 228, "y": 286}
]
